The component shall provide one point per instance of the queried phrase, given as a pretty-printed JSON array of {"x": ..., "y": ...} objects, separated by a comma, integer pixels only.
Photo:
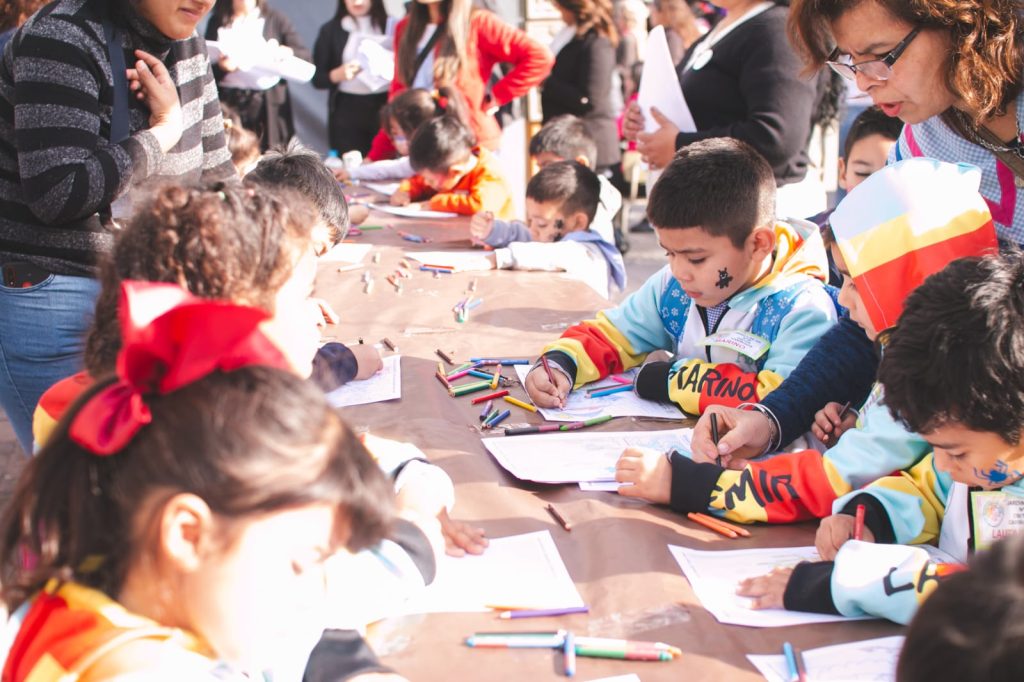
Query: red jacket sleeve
[{"x": 500, "y": 43}]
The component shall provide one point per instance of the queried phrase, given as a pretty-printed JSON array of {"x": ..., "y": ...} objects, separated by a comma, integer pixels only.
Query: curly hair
[
  {"x": 987, "y": 59},
  {"x": 228, "y": 243},
  {"x": 14, "y": 13}
]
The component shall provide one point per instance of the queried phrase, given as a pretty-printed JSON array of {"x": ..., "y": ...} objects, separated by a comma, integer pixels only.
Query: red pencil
[
  {"x": 858, "y": 524},
  {"x": 725, "y": 524},
  {"x": 547, "y": 368},
  {"x": 489, "y": 396},
  {"x": 721, "y": 530}
]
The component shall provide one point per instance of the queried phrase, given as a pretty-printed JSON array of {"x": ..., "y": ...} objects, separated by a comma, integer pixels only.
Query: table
[{"x": 616, "y": 551}]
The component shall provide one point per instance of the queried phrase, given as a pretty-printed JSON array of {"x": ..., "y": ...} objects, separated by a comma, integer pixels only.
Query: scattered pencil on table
[
  {"x": 594, "y": 421},
  {"x": 858, "y": 523},
  {"x": 559, "y": 519},
  {"x": 792, "y": 669},
  {"x": 444, "y": 356},
  {"x": 610, "y": 391},
  {"x": 487, "y": 410},
  {"x": 739, "y": 530},
  {"x": 590, "y": 647},
  {"x": 543, "y": 613},
  {"x": 481, "y": 375},
  {"x": 390, "y": 344},
  {"x": 519, "y": 403},
  {"x": 410, "y": 237},
  {"x": 463, "y": 389},
  {"x": 501, "y": 361},
  {"x": 349, "y": 268},
  {"x": 524, "y": 430},
  {"x": 801, "y": 665},
  {"x": 490, "y": 396},
  {"x": 569, "y": 655},
  {"x": 526, "y": 640},
  {"x": 496, "y": 378},
  {"x": 444, "y": 381},
  {"x": 491, "y": 423},
  {"x": 708, "y": 523},
  {"x": 437, "y": 271}
]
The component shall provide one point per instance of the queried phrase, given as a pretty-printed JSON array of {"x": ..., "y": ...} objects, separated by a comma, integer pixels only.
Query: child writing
[
  {"x": 154, "y": 521},
  {"x": 452, "y": 172},
  {"x": 934, "y": 211},
  {"x": 736, "y": 279},
  {"x": 953, "y": 372},
  {"x": 563, "y": 138}
]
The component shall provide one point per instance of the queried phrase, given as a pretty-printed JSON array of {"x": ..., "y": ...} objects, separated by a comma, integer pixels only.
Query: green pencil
[{"x": 589, "y": 422}]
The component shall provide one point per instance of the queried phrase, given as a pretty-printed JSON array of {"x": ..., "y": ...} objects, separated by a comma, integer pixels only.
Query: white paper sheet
[
  {"x": 577, "y": 455},
  {"x": 346, "y": 253},
  {"x": 871, "y": 660},
  {"x": 659, "y": 87},
  {"x": 714, "y": 577},
  {"x": 384, "y": 385},
  {"x": 258, "y": 61},
  {"x": 460, "y": 260},
  {"x": 601, "y": 486},
  {"x": 624, "y": 404},
  {"x": 407, "y": 212},
  {"x": 387, "y": 188},
  {"x": 519, "y": 570}
]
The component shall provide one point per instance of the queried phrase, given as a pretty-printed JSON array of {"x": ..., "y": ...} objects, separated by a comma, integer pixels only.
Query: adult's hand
[
  {"x": 658, "y": 148},
  {"x": 633, "y": 123},
  {"x": 152, "y": 84},
  {"x": 742, "y": 434}
]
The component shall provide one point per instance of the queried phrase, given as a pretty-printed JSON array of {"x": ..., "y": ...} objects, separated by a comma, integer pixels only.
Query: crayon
[
  {"x": 520, "y": 403},
  {"x": 566, "y": 526},
  {"x": 491, "y": 396}
]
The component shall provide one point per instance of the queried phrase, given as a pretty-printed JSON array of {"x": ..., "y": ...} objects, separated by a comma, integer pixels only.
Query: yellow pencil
[
  {"x": 520, "y": 403},
  {"x": 497, "y": 375}
]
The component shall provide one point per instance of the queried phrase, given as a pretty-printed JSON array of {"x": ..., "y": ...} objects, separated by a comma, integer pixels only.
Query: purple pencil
[{"x": 542, "y": 613}]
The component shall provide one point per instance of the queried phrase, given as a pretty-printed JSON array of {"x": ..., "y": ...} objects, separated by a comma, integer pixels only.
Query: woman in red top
[{"x": 450, "y": 43}]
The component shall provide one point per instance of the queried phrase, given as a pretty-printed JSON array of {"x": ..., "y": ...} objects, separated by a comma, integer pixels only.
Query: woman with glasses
[{"x": 949, "y": 69}]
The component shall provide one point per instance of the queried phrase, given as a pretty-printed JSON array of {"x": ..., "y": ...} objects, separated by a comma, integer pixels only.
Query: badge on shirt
[
  {"x": 996, "y": 515},
  {"x": 701, "y": 60},
  {"x": 744, "y": 343}
]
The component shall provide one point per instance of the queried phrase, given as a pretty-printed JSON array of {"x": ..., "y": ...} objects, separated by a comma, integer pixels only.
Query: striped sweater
[{"x": 59, "y": 172}]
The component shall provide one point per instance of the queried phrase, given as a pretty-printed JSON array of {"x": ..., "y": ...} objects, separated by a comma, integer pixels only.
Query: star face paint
[{"x": 724, "y": 279}]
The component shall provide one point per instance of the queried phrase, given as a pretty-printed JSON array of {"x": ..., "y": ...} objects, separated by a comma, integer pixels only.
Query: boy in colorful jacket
[
  {"x": 740, "y": 302},
  {"x": 953, "y": 372},
  {"x": 902, "y": 224}
]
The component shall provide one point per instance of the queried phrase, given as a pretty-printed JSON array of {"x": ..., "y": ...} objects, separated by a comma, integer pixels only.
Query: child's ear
[
  {"x": 762, "y": 241},
  {"x": 187, "y": 527},
  {"x": 577, "y": 222},
  {"x": 583, "y": 161},
  {"x": 842, "y": 173}
]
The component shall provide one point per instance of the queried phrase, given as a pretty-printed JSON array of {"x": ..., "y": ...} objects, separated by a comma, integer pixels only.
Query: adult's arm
[{"x": 508, "y": 45}]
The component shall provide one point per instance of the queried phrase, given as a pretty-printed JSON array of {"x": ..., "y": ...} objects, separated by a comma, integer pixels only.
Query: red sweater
[{"x": 491, "y": 42}]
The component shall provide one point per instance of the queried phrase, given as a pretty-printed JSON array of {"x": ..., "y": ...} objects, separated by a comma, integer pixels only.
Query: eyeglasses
[{"x": 875, "y": 69}]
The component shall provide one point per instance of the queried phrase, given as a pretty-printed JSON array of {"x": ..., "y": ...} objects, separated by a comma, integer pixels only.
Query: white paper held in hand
[{"x": 659, "y": 87}]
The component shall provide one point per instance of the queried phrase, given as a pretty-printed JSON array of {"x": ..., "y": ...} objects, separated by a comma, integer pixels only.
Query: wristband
[{"x": 774, "y": 430}]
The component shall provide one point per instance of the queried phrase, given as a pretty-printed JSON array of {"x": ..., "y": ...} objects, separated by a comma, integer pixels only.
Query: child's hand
[
  {"x": 827, "y": 426},
  {"x": 542, "y": 392},
  {"x": 400, "y": 198},
  {"x": 766, "y": 591},
  {"x": 742, "y": 434},
  {"x": 341, "y": 175},
  {"x": 368, "y": 360},
  {"x": 460, "y": 538},
  {"x": 480, "y": 226},
  {"x": 649, "y": 471},
  {"x": 357, "y": 214},
  {"x": 327, "y": 314},
  {"x": 834, "y": 532}
]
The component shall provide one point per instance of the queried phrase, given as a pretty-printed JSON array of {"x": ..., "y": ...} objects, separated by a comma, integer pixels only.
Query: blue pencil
[
  {"x": 794, "y": 672},
  {"x": 497, "y": 420},
  {"x": 609, "y": 391},
  {"x": 500, "y": 361},
  {"x": 569, "y": 654}
]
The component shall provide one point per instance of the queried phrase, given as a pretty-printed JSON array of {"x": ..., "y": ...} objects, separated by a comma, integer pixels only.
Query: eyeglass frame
[{"x": 849, "y": 71}]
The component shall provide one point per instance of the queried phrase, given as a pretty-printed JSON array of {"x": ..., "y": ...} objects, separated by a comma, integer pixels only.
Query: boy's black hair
[
  {"x": 570, "y": 184},
  {"x": 972, "y": 626},
  {"x": 957, "y": 351},
  {"x": 567, "y": 138},
  {"x": 301, "y": 169},
  {"x": 720, "y": 185},
  {"x": 439, "y": 144},
  {"x": 869, "y": 122}
]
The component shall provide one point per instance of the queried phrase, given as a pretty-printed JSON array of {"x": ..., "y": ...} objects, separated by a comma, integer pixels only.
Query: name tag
[
  {"x": 744, "y": 343},
  {"x": 996, "y": 515}
]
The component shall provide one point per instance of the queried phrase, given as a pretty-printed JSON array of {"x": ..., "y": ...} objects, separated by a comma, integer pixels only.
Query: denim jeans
[{"x": 42, "y": 338}]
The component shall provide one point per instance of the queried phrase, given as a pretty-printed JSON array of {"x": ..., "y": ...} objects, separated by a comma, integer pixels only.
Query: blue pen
[
  {"x": 497, "y": 420},
  {"x": 794, "y": 672},
  {"x": 609, "y": 391},
  {"x": 569, "y": 654}
]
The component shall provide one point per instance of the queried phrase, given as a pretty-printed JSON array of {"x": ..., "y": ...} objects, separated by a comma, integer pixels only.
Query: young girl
[
  {"x": 170, "y": 541},
  {"x": 453, "y": 174},
  {"x": 354, "y": 62}
]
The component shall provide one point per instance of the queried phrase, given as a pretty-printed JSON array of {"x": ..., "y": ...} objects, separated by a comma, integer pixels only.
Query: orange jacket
[{"x": 481, "y": 189}]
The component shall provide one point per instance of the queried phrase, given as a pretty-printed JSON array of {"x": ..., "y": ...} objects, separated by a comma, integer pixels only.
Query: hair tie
[{"x": 170, "y": 339}]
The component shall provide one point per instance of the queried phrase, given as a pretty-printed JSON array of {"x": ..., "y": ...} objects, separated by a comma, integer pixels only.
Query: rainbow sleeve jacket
[{"x": 781, "y": 317}]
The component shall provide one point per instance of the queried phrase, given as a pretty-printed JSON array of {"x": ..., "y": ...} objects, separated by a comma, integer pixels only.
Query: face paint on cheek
[
  {"x": 724, "y": 279},
  {"x": 999, "y": 475}
]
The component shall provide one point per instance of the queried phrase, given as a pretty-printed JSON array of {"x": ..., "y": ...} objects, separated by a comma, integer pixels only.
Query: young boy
[
  {"x": 563, "y": 138},
  {"x": 561, "y": 202},
  {"x": 953, "y": 372},
  {"x": 902, "y": 224},
  {"x": 452, "y": 172},
  {"x": 740, "y": 302}
]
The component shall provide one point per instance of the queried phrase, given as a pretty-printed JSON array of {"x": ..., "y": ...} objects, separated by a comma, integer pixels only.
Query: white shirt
[
  {"x": 425, "y": 76},
  {"x": 372, "y": 50}
]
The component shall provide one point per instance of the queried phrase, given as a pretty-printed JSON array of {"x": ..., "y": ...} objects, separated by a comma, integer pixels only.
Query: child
[
  {"x": 561, "y": 202},
  {"x": 242, "y": 142},
  {"x": 924, "y": 213},
  {"x": 453, "y": 174},
  {"x": 563, "y": 138},
  {"x": 953, "y": 372},
  {"x": 168, "y": 540},
  {"x": 736, "y": 279}
]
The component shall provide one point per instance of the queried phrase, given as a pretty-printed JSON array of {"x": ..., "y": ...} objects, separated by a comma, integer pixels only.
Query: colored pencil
[
  {"x": 438, "y": 267},
  {"x": 481, "y": 375},
  {"x": 793, "y": 672},
  {"x": 490, "y": 396},
  {"x": 496, "y": 378},
  {"x": 588, "y": 422},
  {"x": 524, "y": 430},
  {"x": 858, "y": 524},
  {"x": 554, "y": 641},
  {"x": 444, "y": 382},
  {"x": 721, "y": 530},
  {"x": 566, "y": 526},
  {"x": 502, "y": 361},
  {"x": 520, "y": 403},
  {"x": 620, "y": 380},
  {"x": 609, "y": 391},
  {"x": 500, "y": 418},
  {"x": 725, "y": 524},
  {"x": 444, "y": 356},
  {"x": 547, "y": 369},
  {"x": 469, "y": 388},
  {"x": 636, "y": 655},
  {"x": 543, "y": 613},
  {"x": 801, "y": 665},
  {"x": 390, "y": 344},
  {"x": 446, "y": 271},
  {"x": 569, "y": 654},
  {"x": 612, "y": 643},
  {"x": 458, "y": 375},
  {"x": 846, "y": 408},
  {"x": 714, "y": 438},
  {"x": 487, "y": 410}
]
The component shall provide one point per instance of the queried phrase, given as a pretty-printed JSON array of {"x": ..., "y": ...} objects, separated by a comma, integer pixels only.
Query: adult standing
[
  {"x": 73, "y": 142},
  {"x": 450, "y": 43},
  {"x": 245, "y": 28},
  {"x": 581, "y": 80},
  {"x": 742, "y": 79}
]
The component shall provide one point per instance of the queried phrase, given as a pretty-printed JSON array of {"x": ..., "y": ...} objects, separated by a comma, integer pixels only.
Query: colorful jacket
[
  {"x": 67, "y": 628},
  {"x": 918, "y": 506},
  {"x": 481, "y": 189},
  {"x": 785, "y": 313}
]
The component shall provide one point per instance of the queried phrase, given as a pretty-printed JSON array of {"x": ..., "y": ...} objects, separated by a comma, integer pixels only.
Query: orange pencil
[
  {"x": 725, "y": 524},
  {"x": 722, "y": 530}
]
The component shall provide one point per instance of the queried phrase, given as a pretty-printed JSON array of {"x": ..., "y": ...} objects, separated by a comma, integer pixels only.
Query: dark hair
[
  {"x": 986, "y": 60},
  {"x": 451, "y": 45},
  {"x": 957, "y": 351},
  {"x": 870, "y": 122},
  {"x": 592, "y": 15},
  {"x": 248, "y": 442},
  {"x": 567, "y": 138},
  {"x": 378, "y": 14},
  {"x": 14, "y": 13},
  {"x": 721, "y": 185},
  {"x": 231, "y": 244},
  {"x": 243, "y": 144},
  {"x": 572, "y": 185},
  {"x": 300, "y": 169},
  {"x": 224, "y": 11},
  {"x": 972, "y": 625},
  {"x": 439, "y": 144},
  {"x": 412, "y": 108}
]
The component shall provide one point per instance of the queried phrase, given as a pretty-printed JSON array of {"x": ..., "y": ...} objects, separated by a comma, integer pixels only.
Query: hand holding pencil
[
  {"x": 832, "y": 421},
  {"x": 547, "y": 387},
  {"x": 835, "y": 531}
]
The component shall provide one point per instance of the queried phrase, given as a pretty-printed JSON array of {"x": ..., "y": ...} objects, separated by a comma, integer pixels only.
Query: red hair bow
[{"x": 170, "y": 339}]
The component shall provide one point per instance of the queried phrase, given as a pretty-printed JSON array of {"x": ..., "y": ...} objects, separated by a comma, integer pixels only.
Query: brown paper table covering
[{"x": 617, "y": 550}]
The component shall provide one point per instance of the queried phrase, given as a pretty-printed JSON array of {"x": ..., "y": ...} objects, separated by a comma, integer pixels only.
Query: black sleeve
[
  {"x": 564, "y": 361},
  {"x": 325, "y": 57},
  {"x": 810, "y": 588},
  {"x": 334, "y": 365},
  {"x": 565, "y": 96},
  {"x": 692, "y": 483},
  {"x": 876, "y": 518},
  {"x": 341, "y": 655},
  {"x": 652, "y": 381}
]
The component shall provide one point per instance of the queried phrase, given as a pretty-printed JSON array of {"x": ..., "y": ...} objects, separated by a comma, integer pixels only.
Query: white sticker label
[
  {"x": 997, "y": 515},
  {"x": 744, "y": 343}
]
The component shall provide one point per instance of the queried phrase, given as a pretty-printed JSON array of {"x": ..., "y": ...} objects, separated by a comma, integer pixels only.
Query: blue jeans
[{"x": 42, "y": 338}]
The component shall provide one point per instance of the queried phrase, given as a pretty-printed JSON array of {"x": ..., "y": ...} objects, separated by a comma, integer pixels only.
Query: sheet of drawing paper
[
  {"x": 579, "y": 407},
  {"x": 384, "y": 385},
  {"x": 871, "y": 660}
]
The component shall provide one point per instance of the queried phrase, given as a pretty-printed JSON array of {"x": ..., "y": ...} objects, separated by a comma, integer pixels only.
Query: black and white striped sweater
[{"x": 59, "y": 172}]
